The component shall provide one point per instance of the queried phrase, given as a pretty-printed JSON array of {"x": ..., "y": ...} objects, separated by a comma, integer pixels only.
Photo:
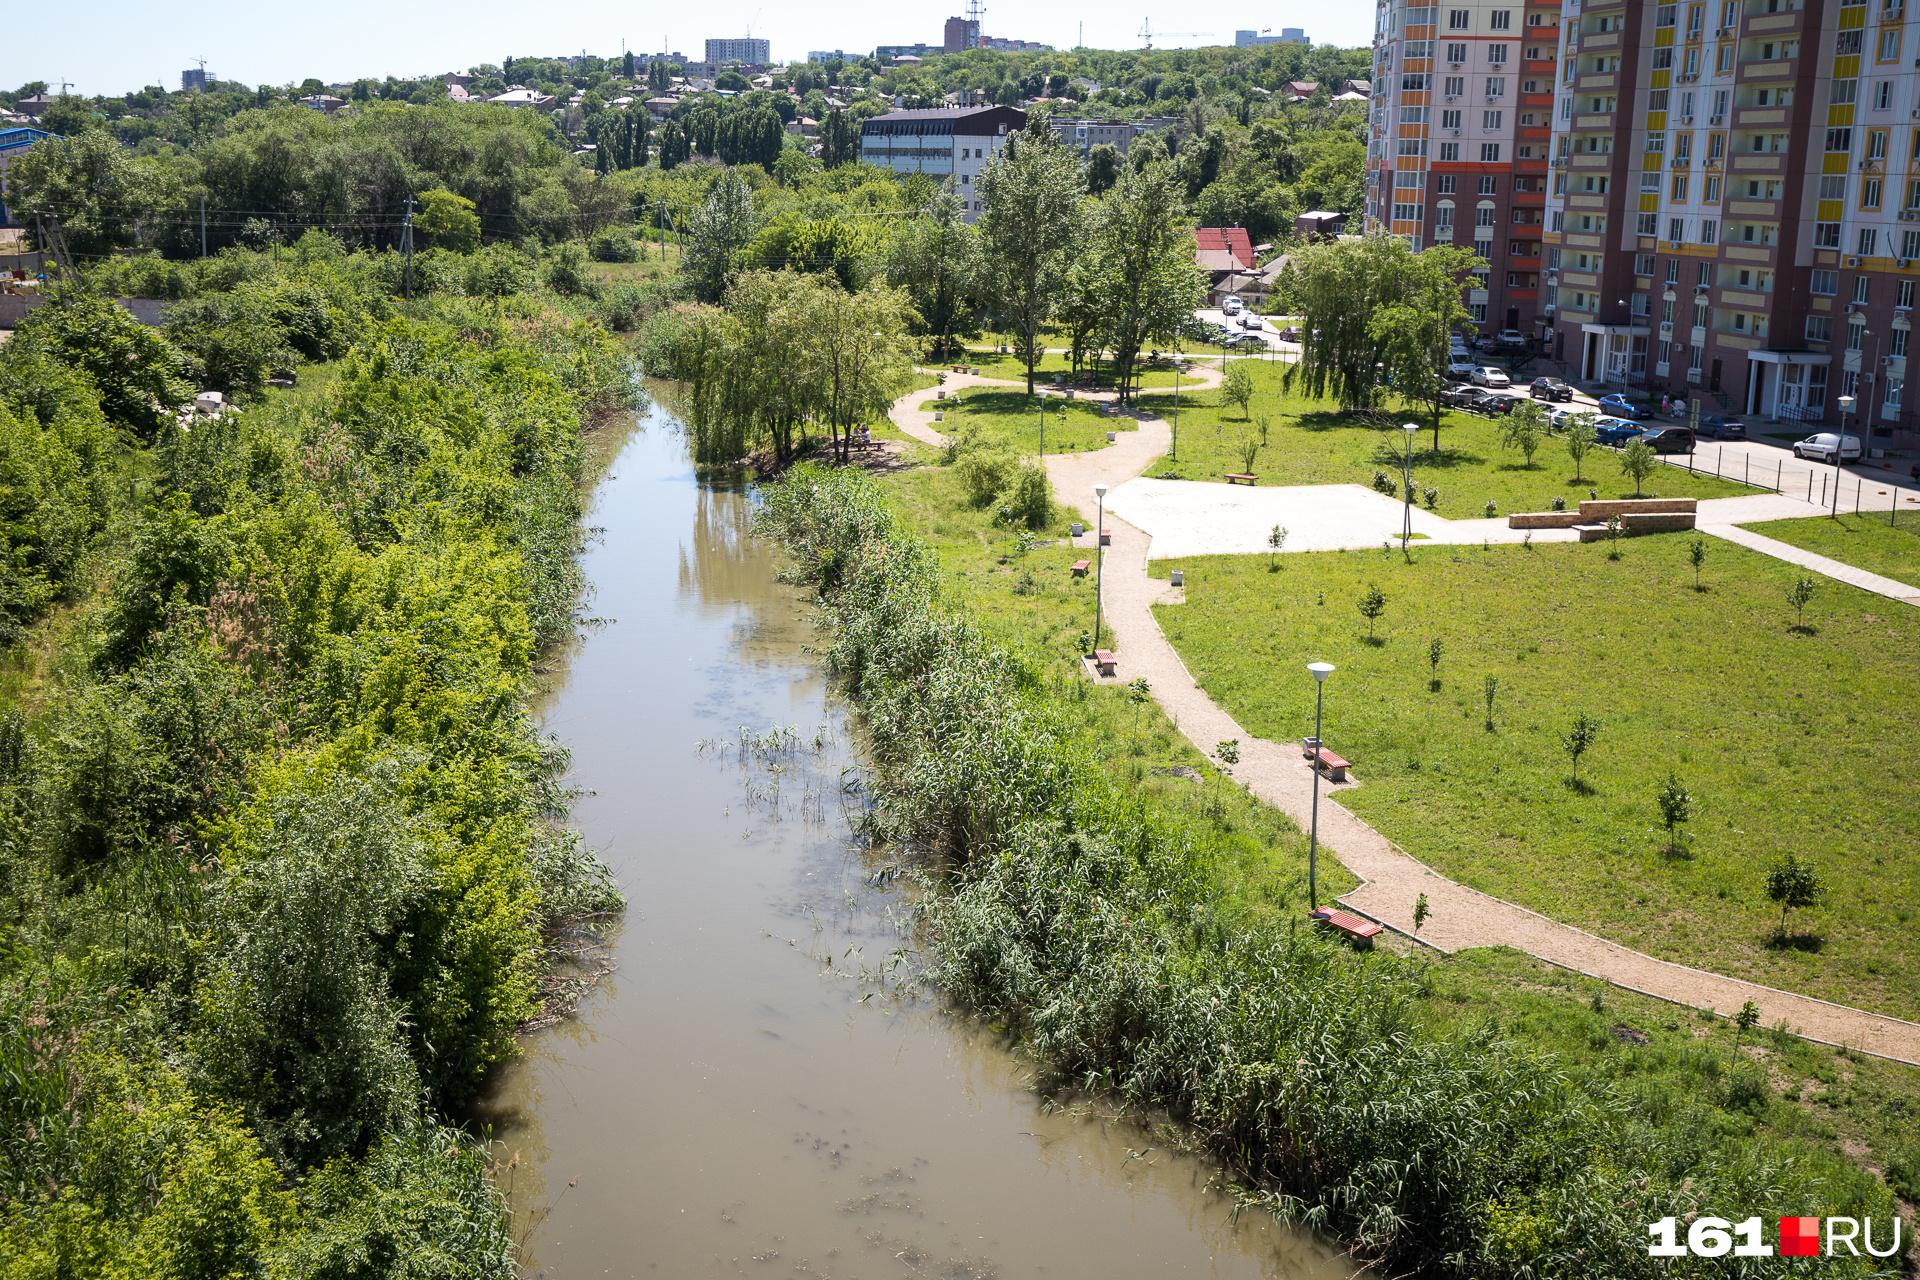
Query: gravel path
[{"x": 1275, "y": 772}]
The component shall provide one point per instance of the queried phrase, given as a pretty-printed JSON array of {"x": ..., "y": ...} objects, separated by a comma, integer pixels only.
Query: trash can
[{"x": 1178, "y": 577}]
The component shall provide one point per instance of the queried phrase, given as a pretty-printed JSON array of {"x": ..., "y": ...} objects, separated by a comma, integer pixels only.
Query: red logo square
[{"x": 1799, "y": 1237}]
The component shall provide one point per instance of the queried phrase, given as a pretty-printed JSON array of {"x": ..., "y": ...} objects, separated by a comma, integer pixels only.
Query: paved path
[
  {"x": 1893, "y": 589},
  {"x": 907, "y": 414},
  {"x": 1391, "y": 878}
]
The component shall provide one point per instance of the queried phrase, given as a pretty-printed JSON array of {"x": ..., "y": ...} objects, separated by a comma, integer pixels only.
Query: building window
[
  {"x": 1491, "y": 119},
  {"x": 1483, "y": 216},
  {"x": 1443, "y": 215},
  {"x": 1694, "y": 355},
  {"x": 1860, "y": 286},
  {"x": 1443, "y": 185},
  {"x": 1710, "y": 191},
  {"x": 1489, "y": 153},
  {"x": 1498, "y": 20},
  {"x": 1456, "y": 85},
  {"x": 1457, "y": 19},
  {"x": 1664, "y": 16},
  {"x": 1647, "y": 224},
  {"x": 1826, "y": 235},
  {"x": 1709, "y": 231},
  {"x": 1823, "y": 283},
  {"x": 1883, "y": 95},
  {"x": 1456, "y": 53},
  {"x": 1701, "y": 314},
  {"x": 1893, "y": 392},
  {"x": 1897, "y": 342},
  {"x": 1449, "y": 151},
  {"x": 1449, "y": 119},
  {"x": 1903, "y": 296},
  {"x": 1870, "y": 193},
  {"x": 1406, "y": 213},
  {"x": 1496, "y": 86},
  {"x": 1679, "y": 195},
  {"x": 1709, "y": 274},
  {"x": 1673, "y": 271},
  {"x": 1819, "y": 328},
  {"x": 1676, "y": 229},
  {"x": 1877, "y": 144},
  {"x": 1869, "y": 239},
  {"x": 1558, "y": 221},
  {"x": 1497, "y": 54},
  {"x": 1856, "y": 333},
  {"x": 1890, "y": 44},
  {"x": 1643, "y": 264}
]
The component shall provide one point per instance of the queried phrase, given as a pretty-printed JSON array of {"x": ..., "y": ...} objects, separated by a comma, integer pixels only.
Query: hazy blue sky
[{"x": 111, "y": 46}]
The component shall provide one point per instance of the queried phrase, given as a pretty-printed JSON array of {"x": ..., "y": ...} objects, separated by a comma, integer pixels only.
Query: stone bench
[
  {"x": 1105, "y": 660},
  {"x": 1623, "y": 507}
]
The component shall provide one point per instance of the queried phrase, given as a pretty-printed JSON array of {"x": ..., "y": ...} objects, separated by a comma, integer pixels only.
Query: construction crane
[{"x": 1148, "y": 34}]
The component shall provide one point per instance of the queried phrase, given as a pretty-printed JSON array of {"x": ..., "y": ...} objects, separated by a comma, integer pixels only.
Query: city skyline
[{"x": 142, "y": 46}]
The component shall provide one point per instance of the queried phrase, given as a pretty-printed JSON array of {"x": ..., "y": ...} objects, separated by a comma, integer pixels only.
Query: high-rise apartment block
[
  {"x": 1718, "y": 199},
  {"x": 746, "y": 51}
]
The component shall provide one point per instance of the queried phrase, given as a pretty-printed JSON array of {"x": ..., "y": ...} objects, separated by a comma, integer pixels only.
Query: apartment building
[
  {"x": 1754, "y": 236},
  {"x": 1460, "y": 133},
  {"x": 941, "y": 141}
]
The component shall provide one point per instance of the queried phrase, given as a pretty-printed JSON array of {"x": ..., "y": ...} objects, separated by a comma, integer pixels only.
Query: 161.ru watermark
[{"x": 1799, "y": 1238}]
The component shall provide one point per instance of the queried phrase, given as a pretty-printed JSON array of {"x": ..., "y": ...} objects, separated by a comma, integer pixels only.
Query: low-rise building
[
  {"x": 1288, "y": 35},
  {"x": 520, "y": 96},
  {"x": 324, "y": 103},
  {"x": 1085, "y": 135},
  {"x": 942, "y": 142}
]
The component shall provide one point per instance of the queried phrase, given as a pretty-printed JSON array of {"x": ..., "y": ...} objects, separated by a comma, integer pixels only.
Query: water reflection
[{"x": 736, "y": 1099}]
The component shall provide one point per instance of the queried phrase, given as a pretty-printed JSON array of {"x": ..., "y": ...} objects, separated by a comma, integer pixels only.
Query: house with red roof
[{"x": 1227, "y": 255}]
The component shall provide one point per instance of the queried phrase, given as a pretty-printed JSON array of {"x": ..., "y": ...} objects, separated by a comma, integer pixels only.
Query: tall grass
[{"x": 1082, "y": 920}]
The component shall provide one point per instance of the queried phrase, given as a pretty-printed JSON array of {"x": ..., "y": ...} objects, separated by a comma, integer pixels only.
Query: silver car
[{"x": 1488, "y": 376}]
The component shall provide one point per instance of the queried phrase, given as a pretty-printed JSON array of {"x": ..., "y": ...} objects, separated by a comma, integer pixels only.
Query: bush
[
  {"x": 614, "y": 245},
  {"x": 566, "y": 273},
  {"x": 235, "y": 340},
  {"x": 985, "y": 474},
  {"x": 497, "y": 271}
]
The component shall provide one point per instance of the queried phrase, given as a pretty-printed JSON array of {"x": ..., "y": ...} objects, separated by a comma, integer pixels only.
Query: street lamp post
[
  {"x": 1406, "y": 523},
  {"x": 1321, "y": 670},
  {"x": 1100, "y": 556},
  {"x": 1847, "y": 404}
]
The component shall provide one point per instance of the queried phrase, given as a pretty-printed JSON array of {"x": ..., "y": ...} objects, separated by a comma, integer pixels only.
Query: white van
[{"x": 1232, "y": 306}]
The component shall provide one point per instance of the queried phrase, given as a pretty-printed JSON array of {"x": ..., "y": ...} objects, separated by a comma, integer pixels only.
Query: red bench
[
  {"x": 1106, "y": 537},
  {"x": 1105, "y": 659},
  {"x": 1080, "y": 568},
  {"x": 1361, "y": 931},
  {"x": 1235, "y": 477},
  {"x": 1330, "y": 764}
]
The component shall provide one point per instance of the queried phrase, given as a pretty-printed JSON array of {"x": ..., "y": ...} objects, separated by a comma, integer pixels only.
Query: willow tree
[
  {"x": 1029, "y": 230},
  {"x": 717, "y": 233},
  {"x": 1340, "y": 287},
  {"x": 857, "y": 355},
  {"x": 1412, "y": 333},
  {"x": 1143, "y": 276}
]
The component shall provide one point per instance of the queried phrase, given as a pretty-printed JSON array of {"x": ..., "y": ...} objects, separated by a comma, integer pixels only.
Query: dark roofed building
[{"x": 941, "y": 141}]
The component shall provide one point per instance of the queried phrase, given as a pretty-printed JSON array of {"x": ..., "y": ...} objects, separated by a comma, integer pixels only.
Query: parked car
[
  {"x": 1549, "y": 389},
  {"x": 1251, "y": 321},
  {"x": 1618, "y": 406},
  {"x": 1821, "y": 447},
  {"x": 1461, "y": 368},
  {"x": 1720, "y": 428},
  {"x": 1615, "y": 432},
  {"x": 1232, "y": 306},
  {"x": 1560, "y": 419},
  {"x": 1513, "y": 336},
  {"x": 1292, "y": 333},
  {"x": 1502, "y": 402},
  {"x": 1669, "y": 439},
  {"x": 1488, "y": 376},
  {"x": 1465, "y": 397}
]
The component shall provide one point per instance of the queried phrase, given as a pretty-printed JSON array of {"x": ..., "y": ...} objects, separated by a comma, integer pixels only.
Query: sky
[{"x": 114, "y": 46}]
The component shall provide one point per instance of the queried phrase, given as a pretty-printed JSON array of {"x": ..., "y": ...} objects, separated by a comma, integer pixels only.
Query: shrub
[
  {"x": 613, "y": 245},
  {"x": 1384, "y": 483},
  {"x": 985, "y": 474}
]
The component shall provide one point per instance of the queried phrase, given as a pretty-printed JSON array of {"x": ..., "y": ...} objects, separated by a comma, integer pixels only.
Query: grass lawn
[
  {"x": 1787, "y": 740},
  {"x": 1312, "y": 442},
  {"x": 1865, "y": 542},
  {"x": 1032, "y": 603},
  {"x": 996, "y": 364},
  {"x": 1012, "y": 418}
]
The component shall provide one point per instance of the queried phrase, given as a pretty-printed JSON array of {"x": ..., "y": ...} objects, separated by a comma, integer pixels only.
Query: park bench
[
  {"x": 1330, "y": 764},
  {"x": 1106, "y": 537},
  {"x": 1236, "y": 477},
  {"x": 1361, "y": 931},
  {"x": 1105, "y": 660},
  {"x": 1080, "y": 568}
]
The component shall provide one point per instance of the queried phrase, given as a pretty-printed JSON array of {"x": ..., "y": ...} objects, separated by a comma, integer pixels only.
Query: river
[{"x": 740, "y": 1096}]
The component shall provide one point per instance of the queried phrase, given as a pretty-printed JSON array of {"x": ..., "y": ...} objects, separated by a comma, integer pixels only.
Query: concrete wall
[{"x": 14, "y": 307}]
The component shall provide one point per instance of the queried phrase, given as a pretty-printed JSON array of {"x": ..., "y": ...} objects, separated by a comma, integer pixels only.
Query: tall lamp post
[
  {"x": 1847, "y": 404},
  {"x": 1321, "y": 670},
  {"x": 1100, "y": 556},
  {"x": 1406, "y": 523}
]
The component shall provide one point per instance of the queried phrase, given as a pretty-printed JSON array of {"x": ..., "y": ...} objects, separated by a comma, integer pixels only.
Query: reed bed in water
[{"x": 1085, "y": 921}]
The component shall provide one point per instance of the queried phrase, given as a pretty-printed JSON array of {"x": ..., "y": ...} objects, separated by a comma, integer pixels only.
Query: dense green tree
[
  {"x": 1031, "y": 191},
  {"x": 98, "y": 191},
  {"x": 1341, "y": 289},
  {"x": 717, "y": 233},
  {"x": 1103, "y": 168},
  {"x": 448, "y": 221},
  {"x": 935, "y": 258},
  {"x": 1142, "y": 256},
  {"x": 839, "y": 140},
  {"x": 1411, "y": 333}
]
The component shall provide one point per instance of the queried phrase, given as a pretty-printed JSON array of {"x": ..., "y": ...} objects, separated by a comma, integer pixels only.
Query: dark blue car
[
  {"x": 1621, "y": 407},
  {"x": 1614, "y": 432}
]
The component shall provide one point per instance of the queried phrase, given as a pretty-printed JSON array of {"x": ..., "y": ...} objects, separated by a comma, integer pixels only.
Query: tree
[
  {"x": 1523, "y": 429},
  {"x": 1144, "y": 275},
  {"x": 721, "y": 227},
  {"x": 935, "y": 258},
  {"x": 1372, "y": 605},
  {"x": 626, "y": 65},
  {"x": 1420, "y": 912},
  {"x": 1577, "y": 739},
  {"x": 1340, "y": 287},
  {"x": 1411, "y": 333},
  {"x": 140, "y": 375},
  {"x": 1103, "y": 168},
  {"x": 1799, "y": 595},
  {"x": 1236, "y": 387},
  {"x": 1031, "y": 222},
  {"x": 1793, "y": 883},
  {"x": 1697, "y": 556},
  {"x": 1580, "y": 440},
  {"x": 1434, "y": 651},
  {"x": 839, "y": 144},
  {"x": 448, "y": 221},
  {"x": 1748, "y": 1018},
  {"x": 1676, "y": 808},
  {"x": 1276, "y": 540},
  {"x": 1637, "y": 462},
  {"x": 858, "y": 355},
  {"x": 99, "y": 191}
]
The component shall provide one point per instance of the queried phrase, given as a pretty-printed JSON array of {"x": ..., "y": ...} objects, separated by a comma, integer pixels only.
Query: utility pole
[
  {"x": 203, "y": 224},
  {"x": 407, "y": 237}
]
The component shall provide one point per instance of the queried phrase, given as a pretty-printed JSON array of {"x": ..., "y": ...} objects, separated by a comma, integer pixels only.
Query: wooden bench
[
  {"x": 1330, "y": 764},
  {"x": 1080, "y": 568},
  {"x": 1105, "y": 660},
  {"x": 1236, "y": 477},
  {"x": 1361, "y": 931},
  {"x": 1106, "y": 537}
]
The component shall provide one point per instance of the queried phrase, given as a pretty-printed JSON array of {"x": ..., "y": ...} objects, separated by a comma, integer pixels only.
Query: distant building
[
  {"x": 1014, "y": 46},
  {"x": 961, "y": 34},
  {"x": 1288, "y": 35},
  {"x": 648, "y": 59},
  {"x": 324, "y": 103},
  {"x": 37, "y": 105},
  {"x": 1226, "y": 255},
  {"x": 821, "y": 57},
  {"x": 888, "y": 52},
  {"x": 1320, "y": 224},
  {"x": 518, "y": 96},
  {"x": 1085, "y": 135},
  {"x": 941, "y": 142},
  {"x": 746, "y": 51},
  {"x": 196, "y": 80},
  {"x": 454, "y": 80}
]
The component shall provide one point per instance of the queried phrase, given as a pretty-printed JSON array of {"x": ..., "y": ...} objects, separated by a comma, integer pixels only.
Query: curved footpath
[{"x": 1391, "y": 878}]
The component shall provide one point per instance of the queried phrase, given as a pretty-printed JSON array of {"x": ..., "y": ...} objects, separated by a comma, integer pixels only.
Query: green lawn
[
  {"x": 995, "y": 364},
  {"x": 1312, "y": 442},
  {"x": 1787, "y": 740},
  {"x": 1865, "y": 542},
  {"x": 1012, "y": 418},
  {"x": 1032, "y": 603}
]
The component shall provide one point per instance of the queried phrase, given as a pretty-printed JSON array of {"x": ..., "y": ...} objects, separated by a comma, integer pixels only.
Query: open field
[
  {"x": 1012, "y": 418},
  {"x": 1865, "y": 542},
  {"x": 1031, "y": 603},
  {"x": 994, "y": 364},
  {"x": 1312, "y": 442},
  {"x": 1784, "y": 737}
]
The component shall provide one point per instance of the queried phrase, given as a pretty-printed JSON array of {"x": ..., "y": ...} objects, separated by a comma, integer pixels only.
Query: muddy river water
[{"x": 727, "y": 1102}]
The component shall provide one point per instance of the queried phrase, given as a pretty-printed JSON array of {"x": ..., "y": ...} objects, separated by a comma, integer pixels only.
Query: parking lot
[{"x": 1268, "y": 332}]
